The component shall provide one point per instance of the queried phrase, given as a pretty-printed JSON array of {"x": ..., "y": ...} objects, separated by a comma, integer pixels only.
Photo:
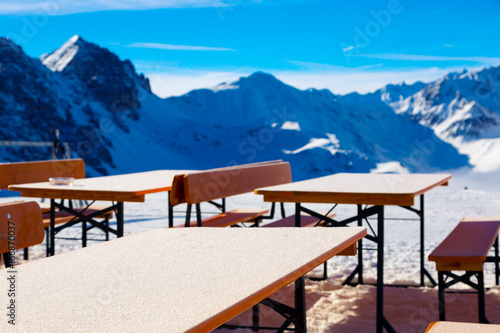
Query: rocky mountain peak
[{"x": 106, "y": 78}]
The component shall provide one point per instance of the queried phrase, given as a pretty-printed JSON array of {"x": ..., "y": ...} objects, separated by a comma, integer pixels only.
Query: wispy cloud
[
  {"x": 178, "y": 47},
  {"x": 418, "y": 57},
  {"x": 171, "y": 81},
  {"x": 178, "y": 83},
  {"x": 320, "y": 67},
  {"x": 57, "y": 7}
]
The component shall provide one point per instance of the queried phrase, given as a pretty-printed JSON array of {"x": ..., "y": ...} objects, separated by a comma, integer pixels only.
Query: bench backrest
[
  {"x": 39, "y": 171},
  {"x": 20, "y": 225},
  {"x": 177, "y": 195},
  {"x": 221, "y": 183}
]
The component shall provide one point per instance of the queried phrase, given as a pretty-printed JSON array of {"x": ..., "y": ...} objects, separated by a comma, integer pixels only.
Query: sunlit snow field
[{"x": 336, "y": 308}]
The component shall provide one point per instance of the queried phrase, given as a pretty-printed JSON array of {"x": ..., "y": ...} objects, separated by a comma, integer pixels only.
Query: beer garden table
[
  {"x": 118, "y": 189},
  {"x": 373, "y": 190},
  {"x": 170, "y": 280}
]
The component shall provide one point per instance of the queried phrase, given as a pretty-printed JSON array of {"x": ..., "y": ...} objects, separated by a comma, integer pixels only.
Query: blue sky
[{"x": 340, "y": 45}]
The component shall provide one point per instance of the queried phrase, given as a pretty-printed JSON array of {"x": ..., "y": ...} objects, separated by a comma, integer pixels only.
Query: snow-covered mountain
[
  {"x": 464, "y": 110},
  {"x": 109, "y": 115}
]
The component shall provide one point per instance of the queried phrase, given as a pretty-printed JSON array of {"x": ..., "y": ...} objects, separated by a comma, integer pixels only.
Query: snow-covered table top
[
  {"x": 356, "y": 188},
  {"x": 128, "y": 187},
  {"x": 169, "y": 280}
]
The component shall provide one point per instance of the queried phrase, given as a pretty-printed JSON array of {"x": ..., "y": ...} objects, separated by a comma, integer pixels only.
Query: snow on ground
[
  {"x": 483, "y": 154},
  {"x": 390, "y": 167},
  {"x": 336, "y": 308}
]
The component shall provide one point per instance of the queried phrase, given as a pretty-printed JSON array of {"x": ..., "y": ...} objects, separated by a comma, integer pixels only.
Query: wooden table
[
  {"x": 373, "y": 190},
  {"x": 122, "y": 188},
  {"x": 169, "y": 280}
]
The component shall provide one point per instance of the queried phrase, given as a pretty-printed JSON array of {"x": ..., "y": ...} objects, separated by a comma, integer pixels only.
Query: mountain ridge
[{"x": 115, "y": 122}]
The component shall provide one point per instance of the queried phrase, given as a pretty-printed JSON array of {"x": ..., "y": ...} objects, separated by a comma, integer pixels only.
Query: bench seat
[
  {"x": 466, "y": 248},
  {"x": 306, "y": 220},
  {"x": 453, "y": 327},
  {"x": 230, "y": 218},
  {"x": 65, "y": 217}
]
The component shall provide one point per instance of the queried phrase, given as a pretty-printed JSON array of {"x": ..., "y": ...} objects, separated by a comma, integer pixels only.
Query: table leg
[
  {"x": 52, "y": 234},
  {"x": 119, "y": 219},
  {"x": 297, "y": 215},
  {"x": 497, "y": 267},
  {"x": 380, "y": 270},
  {"x": 382, "y": 322},
  {"x": 170, "y": 213},
  {"x": 423, "y": 271},
  {"x": 360, "y": 248},
  {"x": 422, "y": 242},
  {"x": 300, "y": 305}
]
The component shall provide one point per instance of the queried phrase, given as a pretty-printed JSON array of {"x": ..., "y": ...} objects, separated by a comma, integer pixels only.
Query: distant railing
[{"x": 56, "y": 146}]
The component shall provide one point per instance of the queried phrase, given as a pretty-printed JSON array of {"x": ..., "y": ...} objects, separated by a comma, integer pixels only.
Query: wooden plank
[
  {"x": 350, "y": 251},
  {"x": 20, "y": 225},
  {"x": 129, "y": 187},
  {"x": 454, "y": 327},
  {"x": 353, "y": 188},
  {"x": 306, "y": 220},
  {"x": 39, "y": 171},
  {"x": 211, "y": 185},
  {"x": 194, "y": 280},
  {"x": 481, "y": 219},
  {"x": 230, "y": 218},
  {"x": 177, "y": 194},
  {"x": 470, "y": 242},
  {"x": 457, "y": 265}
]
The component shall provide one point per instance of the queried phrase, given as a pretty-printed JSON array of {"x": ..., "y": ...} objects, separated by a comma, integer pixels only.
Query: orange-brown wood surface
[
  {"x": 306, "y": 220},
  {"x": 356, "y": 188},
  {"x": 220, "y": 271},
  {"x": 129, "y": 187},
  {"x": 177, "y": 193},
  {"x": 230, "y": 218},
  {"x": 467, "y": 246},
  {"x": 20, "y": 225},
  {"x": 39, "y": 171},
  {"x": 454, "y": 327},
  {"x": 210, "y": 185},
  {"x": 272, "y": 288}
]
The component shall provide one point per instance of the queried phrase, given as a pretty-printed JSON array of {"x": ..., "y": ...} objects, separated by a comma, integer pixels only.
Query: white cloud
[
  {"x": 178, "y": 82},
  {"x": 61, "y": 7},
  {"x": 418, "y": 57},
  {"x": 349, "y": 48},
  {"x": 360, "y": 81},
  {"x": 178, "y": 47}
]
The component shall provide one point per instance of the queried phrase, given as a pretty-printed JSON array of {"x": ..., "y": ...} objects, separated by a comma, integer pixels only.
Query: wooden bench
[
  {"x": 454, "y": 327},
  {"x": 194, "y": 189},
  {"x": 227, "y": 219},
  {"x": 41, "y": 171},
  {"x": 210, "y": 185},
  {"x": 20, "y": 227},
  {"x": 305, "y": 221},
  {"x": 466, "y": 249}
]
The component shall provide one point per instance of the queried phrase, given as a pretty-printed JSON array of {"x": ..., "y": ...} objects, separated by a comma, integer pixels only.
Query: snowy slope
[
  {"x": 112, "y": 119},
  {"x": 462, "y": 109}
]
